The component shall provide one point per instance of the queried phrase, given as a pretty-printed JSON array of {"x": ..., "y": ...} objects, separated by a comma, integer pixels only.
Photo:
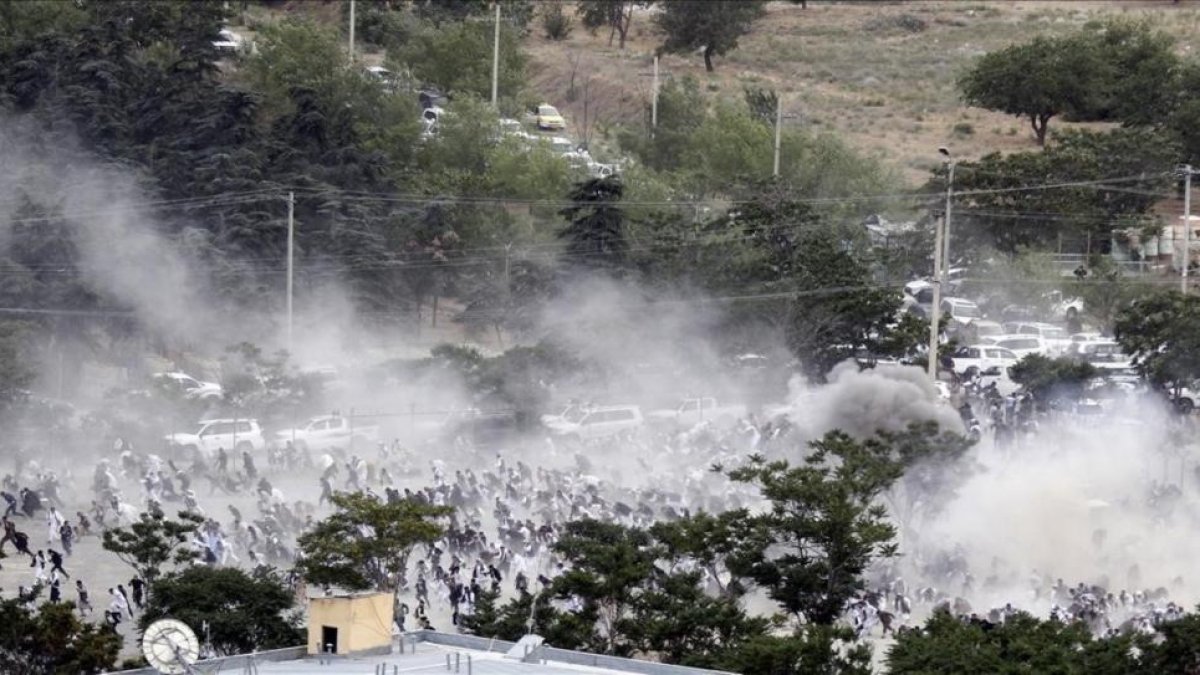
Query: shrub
[{"x": 555, "y": 22}]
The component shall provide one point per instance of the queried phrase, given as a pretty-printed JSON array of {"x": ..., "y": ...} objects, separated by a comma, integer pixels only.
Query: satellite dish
[{"x": 170, "y": 647}]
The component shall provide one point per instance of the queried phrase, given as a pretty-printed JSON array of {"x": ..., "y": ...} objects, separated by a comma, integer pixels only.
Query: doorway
[{"x": 329, "y": 640}]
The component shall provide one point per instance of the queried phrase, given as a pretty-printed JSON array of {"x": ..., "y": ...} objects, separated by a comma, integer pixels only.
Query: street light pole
[
  {"x": 496, "y": 57},
  {"x": 1187, "y": 226}
]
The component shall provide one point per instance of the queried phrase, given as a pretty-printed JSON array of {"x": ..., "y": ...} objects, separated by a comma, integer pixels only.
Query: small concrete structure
[{"x": 358, "y": 624}]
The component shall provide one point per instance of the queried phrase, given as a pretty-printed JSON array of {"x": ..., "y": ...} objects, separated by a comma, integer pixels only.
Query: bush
[
  {"x": 964, "y": 129},
  {"x": 555, "y": 22}
]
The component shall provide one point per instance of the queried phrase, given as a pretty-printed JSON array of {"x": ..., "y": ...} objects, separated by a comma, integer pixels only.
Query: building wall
[{"x": 364, "y": 622}]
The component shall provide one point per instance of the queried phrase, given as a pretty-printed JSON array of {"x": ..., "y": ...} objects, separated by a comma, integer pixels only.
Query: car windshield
[
  {"x": 548, "y": 110},
  {"x": 964, "y": 310},
  {"x": 1054, "y": 333},
  {"x": 574, "y": 415},
  {"x": 200, "y": 427}
]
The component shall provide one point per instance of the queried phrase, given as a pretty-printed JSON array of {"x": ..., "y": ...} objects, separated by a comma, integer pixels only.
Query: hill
[{"x": 880, "y": 74}]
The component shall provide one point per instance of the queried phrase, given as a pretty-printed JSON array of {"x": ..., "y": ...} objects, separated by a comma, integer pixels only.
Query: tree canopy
[{"x": 713, "y": 26}]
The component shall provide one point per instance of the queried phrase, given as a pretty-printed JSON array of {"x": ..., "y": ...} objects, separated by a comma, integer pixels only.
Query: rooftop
[{"x": 432, "y": 652}]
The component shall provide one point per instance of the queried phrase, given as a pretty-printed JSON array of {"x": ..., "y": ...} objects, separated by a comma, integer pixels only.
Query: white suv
[
  {"x": 595, "y": 423},
  {"x": 210, "y": 435},
  {"x": 982, "y": 359}
]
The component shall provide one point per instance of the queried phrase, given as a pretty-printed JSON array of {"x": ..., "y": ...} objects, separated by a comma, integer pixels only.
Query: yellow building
[{"x": 358, "y": 623}]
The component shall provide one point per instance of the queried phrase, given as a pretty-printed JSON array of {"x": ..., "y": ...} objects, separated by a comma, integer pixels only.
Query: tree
[
  {"x": 1020, "y": 643},
  {"x": 153, "y": 541},
  {"x": 1005, "y": 215},
  {"x": 595, "y": 235},
  {"x": 809, "y": 649},
  {"x": 1052, "y": 379},
  {"x": 366, "y": 543},
  {"x": 675, "y": 620},
  {"x": 607, "y": 563},
  {"x": 53, "y": 640},
  {"x": 457, "y": 57},
  {"x": 824, "y": 525},
  {"x": 1037, "y": 80},
  {"x": 711, "y": 25},
  {"x": 238, "y": 612},
  {"x": 617, "y": 15},
  {"x": 1162, "y": 333}
]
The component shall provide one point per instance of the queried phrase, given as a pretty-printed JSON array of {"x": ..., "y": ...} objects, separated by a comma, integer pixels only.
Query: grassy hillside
[{"x": 879, "y": 73}]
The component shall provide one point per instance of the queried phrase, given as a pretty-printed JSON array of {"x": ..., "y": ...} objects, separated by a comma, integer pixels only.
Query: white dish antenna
[{"x": 170, "y": 647}]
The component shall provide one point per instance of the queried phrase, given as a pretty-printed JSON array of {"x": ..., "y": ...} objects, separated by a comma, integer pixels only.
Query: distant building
[{"x": 350, "y": 624}]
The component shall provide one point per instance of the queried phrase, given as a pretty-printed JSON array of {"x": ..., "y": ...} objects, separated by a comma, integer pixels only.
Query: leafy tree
[
  {"x": 1021, "y": 643},
  {"x": 1183, "y": 120},
  {"x": 1162, "y": 333},
  {"x": 681, "y": 111},
  {"x": 53, "y": 640},
  {"x": 616, "y": 15},
  {"x": 1004, "y": 215},
  {"x": 677, "y": 621},
  {"x": 1141, "y": 68},
  {"x": 1051, "y": 379},
  {"x": 1038, "y": 80},
  {"x": 810, "y": 649},
  {"x": 366, "y": 543},
  {"x": 555, "y": 22},
  {"x": 243, "y": 612},
  {"x": 712, "y": 25},
  {"x": 457, "y": 57},
  {"x": 516, "y": 13},
  {"x": 606, "y": 565},
  {"x": 154, "y": 541},
  {"x": 595, "y": 235},
  {"x": 824, "y": 524},
  {"x": 713, "y": 541}
]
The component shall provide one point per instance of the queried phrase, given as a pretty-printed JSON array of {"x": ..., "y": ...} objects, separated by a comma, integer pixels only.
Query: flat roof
[{"x": 428, "y": 651}]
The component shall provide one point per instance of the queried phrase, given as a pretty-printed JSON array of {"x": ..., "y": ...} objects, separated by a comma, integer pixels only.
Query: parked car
[
  {"x": 587, "y": 424},
  {"x": 960, "y": 310},
  {"x": 1056, "y": 337},
  {"x": 982, "y": 359},
  {"x": 326, "y": 432},
  {"x": 192, "y": 388},
  {"x": 693, "y": 411},
  {"x": 547, "y": 118},
  {"x": 228, "y": 41},
  {"x": 211, "y": 435},
  {"x": 1023, "y": 345},
  {"x": 1103, "y": 354}
]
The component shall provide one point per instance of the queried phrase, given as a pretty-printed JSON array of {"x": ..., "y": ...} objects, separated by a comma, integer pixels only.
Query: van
[{"x": 1023, "y": 345}]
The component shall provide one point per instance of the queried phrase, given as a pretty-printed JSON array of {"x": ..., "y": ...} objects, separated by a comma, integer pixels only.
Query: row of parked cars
[{"x": 995, "y": 353}]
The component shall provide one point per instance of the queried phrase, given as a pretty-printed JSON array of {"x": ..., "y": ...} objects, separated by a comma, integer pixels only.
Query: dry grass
[{"x": 849, "y": 68}]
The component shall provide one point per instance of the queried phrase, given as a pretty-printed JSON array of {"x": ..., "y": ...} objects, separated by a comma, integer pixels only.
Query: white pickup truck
[
  {"x": 328, "y": 431},
  {"x": 693, "y": 411}
]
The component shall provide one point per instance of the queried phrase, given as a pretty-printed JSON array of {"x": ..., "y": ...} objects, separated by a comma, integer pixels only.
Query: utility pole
[
  {"x": 936, "y": 310},
  {"x": 778, "y": 131},
  {"x": 351, "y": 31},
  {"x": 291, "y": 237},
  {"x": 950, "y": 164},
  {"x": 496, "y": 57},
  {"x": 654, "y": 99},
  {"x": 1186, "y": 169}
]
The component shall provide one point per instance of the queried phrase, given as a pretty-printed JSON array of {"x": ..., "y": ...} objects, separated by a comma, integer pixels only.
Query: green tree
[
  {"x": 53, "y": 641},
  {"x": 1038, "y": 80},
  {"x": 243, "y": 612},
  {"x": 457, "y": 57},
  {"x": 606, "y": 565},
  {"x": 1162, "y": 333},
  {"x": 153, "y": 541},
  {"x": 616, "y": 15},
  {"x": 1141, "y": 68},
  {"x": 809, "y": 649},
  {"x": 676, "y": 620},
  {"x": 712, "y": 25},
  {"x": 1004, "y": 214},
  {"x": 1021, "y": 643},
  {"x": 824, "y": 525},
  {"x": 1050, "y": 379},
  {"x": 366, "y": 543},
  {"x": 595, "y": 235}
]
